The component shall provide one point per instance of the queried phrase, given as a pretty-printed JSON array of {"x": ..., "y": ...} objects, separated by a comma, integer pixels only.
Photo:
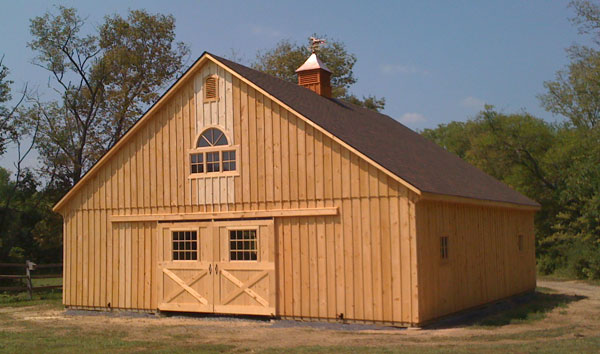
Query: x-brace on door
[{"x": 221, "y": 267}]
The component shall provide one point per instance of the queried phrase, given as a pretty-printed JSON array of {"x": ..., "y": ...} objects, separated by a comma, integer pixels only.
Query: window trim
[
  {"x": 243, "y": 228},
  {"x": 189, "y": 229},
  {"x": 218, "y": 148}
]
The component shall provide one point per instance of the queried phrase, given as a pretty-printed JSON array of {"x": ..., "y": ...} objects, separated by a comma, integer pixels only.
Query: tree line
[
  {"x": 556, "y": 164},
  {"x": 102, "y": 80}
]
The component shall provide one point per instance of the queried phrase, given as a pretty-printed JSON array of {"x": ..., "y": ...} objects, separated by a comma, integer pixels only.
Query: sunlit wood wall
[
  {"x": 484, "y": 262},
  {"x": 361, "y": 263}
]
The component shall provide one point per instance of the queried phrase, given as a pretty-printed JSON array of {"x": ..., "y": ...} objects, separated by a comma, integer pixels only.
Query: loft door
[{"x": 221, "y": 267}]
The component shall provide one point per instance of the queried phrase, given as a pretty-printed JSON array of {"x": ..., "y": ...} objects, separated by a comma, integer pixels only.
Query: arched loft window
[
  {"x": 213, "y": 154},
  {"x": 212, "y": 137}
]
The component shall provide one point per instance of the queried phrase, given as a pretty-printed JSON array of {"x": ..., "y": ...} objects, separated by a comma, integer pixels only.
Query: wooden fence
[{"x": 29, "y": 268}]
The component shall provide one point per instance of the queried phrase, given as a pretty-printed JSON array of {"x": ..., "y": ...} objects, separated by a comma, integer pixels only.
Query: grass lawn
[
  {"x": 563, "y": 275},
  {"x": 548, "y": 321}
]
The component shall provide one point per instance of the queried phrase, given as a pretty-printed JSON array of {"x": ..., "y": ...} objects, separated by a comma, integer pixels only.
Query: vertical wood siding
[
  {"x": 361, "y": 263},
  {"x": 213, "y": 190},
  {"x": 357, "y": 264},
  {"x": 484, "y": 264}
]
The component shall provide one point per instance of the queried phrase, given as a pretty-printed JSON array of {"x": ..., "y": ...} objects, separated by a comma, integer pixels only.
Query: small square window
[
  {"x": 185, "y": 245},
  {"x": 444, "y": 247},
  {"x": 243, "y": 245},
  {"x": 212, "y": 162}
]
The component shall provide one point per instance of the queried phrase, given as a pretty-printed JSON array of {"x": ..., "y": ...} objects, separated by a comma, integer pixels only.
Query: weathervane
[{"x": 316, "y": 44}]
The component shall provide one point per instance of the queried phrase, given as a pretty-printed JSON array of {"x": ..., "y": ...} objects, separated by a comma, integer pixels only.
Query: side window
[
  {"x": 243, "y": 245},
  {"x": 520, "y": 242},
  {"x": 185, "y": 245},
  {"x": 444, "y": 247}
]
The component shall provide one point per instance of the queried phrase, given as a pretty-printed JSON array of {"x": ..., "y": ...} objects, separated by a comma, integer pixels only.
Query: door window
[
  {"x": 242, "y": 245},
  {"x": 185, "y": 245}
]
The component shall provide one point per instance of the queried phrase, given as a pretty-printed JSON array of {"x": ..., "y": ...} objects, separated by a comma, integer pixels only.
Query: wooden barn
[{"x": 240, "y": 193}]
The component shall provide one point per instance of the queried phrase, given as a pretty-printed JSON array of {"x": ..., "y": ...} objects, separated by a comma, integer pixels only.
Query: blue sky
[{"x": 433, "y": 61}]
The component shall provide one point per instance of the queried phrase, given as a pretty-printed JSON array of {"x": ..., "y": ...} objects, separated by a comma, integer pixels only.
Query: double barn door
[{"x": 220, "y": 267}]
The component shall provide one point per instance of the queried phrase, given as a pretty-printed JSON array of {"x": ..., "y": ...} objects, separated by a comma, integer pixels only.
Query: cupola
[{"x": 315, "y": 76}]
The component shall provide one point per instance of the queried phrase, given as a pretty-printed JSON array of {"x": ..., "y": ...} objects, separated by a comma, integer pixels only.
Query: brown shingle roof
[{"x": 400, "y": 150}]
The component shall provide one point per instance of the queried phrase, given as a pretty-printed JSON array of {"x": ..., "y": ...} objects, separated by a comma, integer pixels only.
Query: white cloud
[
  {"x": 412, "y": 118},
  {"x": 402, "y": 69},
  {"x": 472, "y": 102},
  {"x": 265, "y": 31}
]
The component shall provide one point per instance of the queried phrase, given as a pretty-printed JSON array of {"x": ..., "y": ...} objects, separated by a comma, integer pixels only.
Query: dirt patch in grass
[{"x": 562, "y": 316}]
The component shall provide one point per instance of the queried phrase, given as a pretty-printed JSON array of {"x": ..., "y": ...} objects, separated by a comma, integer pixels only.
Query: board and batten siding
[
  {"x": 360, "y": 263},
  {"x": 484, "y": 263},
  {"x": 213, "y": 190}
]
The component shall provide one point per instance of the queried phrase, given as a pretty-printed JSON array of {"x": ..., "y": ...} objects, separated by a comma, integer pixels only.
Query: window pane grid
[
  {"x": 228, "y": 160},
  {"x": 243, "y": 245},
  {"x": 212, "y": 162},
  {"x": 212, "y": 137},
  {"x": 197, "y": 163},
  {"x": 185, "y": 245}
]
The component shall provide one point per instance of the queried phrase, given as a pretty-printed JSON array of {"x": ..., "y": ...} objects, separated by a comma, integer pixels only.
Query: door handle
[
  {"x": 210, "y": 269},
  {"x": 216, "y": 269}
]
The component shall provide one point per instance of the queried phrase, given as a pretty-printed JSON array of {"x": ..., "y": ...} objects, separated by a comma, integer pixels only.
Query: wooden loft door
[{"x": 220, "y": 267}]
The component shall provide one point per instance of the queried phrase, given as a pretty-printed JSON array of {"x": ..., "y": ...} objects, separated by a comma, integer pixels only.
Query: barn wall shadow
[{"x": 519, "y": 309}]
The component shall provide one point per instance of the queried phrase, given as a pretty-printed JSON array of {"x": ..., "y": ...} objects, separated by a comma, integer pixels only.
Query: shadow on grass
[{"x": 519, "y": 309}]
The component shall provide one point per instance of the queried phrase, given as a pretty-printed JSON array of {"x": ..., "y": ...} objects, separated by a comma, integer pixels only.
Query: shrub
[{"x": 584, "y": 260}]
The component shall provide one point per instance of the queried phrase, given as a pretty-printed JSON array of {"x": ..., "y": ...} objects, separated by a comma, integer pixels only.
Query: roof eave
[{"x": 533, "y": 206}]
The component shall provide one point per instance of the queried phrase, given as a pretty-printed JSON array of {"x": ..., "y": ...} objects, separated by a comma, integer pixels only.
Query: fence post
[{"x": 29, "y": 266}]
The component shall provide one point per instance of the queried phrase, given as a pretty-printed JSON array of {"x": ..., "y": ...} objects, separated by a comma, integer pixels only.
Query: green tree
[
  {"x": 10, "y": 128},
  {"x": 105, "y": 80},
  {"x": 575, "y": 91},
  {"x": 555, "y": 164},
  {"x": 575, "y": 94},
  {"x": 5, "y": 96},
  {"x": 287, "y": 56},
  {"x": 514, "y": 148},
  {"x": 454, "y": 137}
]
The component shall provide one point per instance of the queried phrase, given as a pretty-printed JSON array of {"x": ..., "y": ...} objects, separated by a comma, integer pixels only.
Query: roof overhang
[{"x": 472, "y": 201}]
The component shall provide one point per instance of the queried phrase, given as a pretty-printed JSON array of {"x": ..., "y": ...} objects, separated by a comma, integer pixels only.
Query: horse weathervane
[{"x": 316, "y": 44}]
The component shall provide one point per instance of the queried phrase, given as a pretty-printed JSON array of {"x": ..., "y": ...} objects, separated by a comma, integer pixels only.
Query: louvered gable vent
[{"x": 211, "y": 89}]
